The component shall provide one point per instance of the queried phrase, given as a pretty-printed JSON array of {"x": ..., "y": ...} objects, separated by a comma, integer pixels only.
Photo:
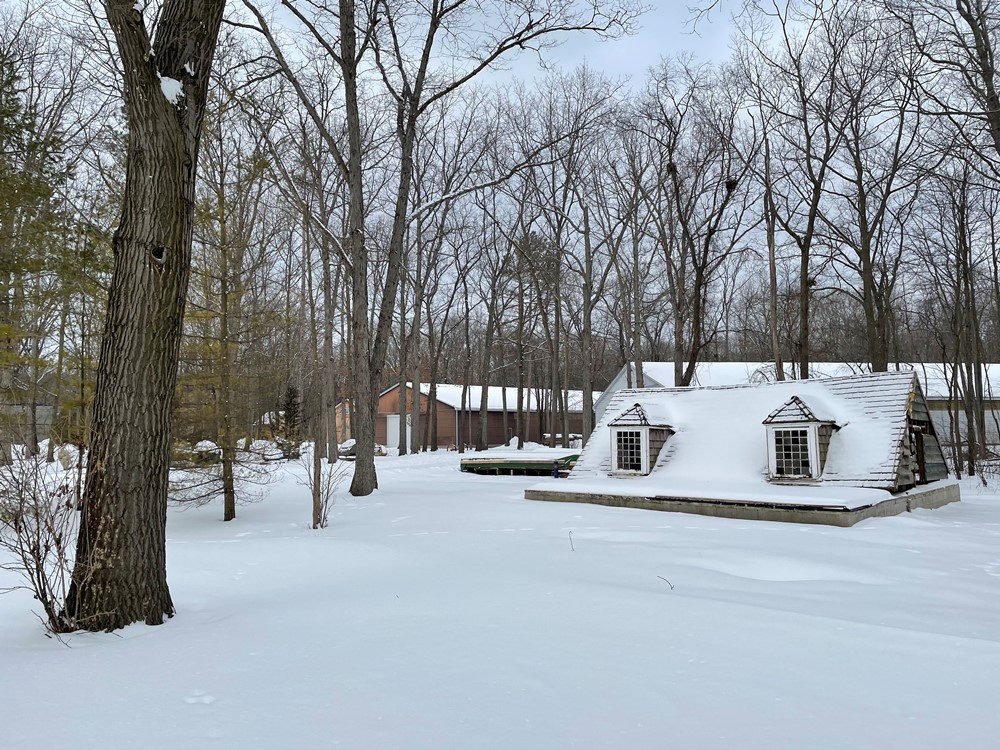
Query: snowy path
[{"x": 447, "y": 612}]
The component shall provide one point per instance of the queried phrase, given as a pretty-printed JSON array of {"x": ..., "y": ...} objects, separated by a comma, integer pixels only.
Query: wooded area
[{"x": 378, "y": 203}]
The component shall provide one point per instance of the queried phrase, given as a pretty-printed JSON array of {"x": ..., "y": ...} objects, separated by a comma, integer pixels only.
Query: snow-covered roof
[
  {"x": 796, "y": 409},
  {"x": 719, "y": 434},
  {"x": 938, "y": 380},
  {"x": 451, "y": 394},
  {"x": 638, "y": 415}
]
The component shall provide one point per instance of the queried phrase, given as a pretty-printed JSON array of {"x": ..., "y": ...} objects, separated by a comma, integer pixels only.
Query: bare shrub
[
  {"x": 198, "y": 484},
  {"x": 323, "y": 480},
  {"x": 38, "y": 528}
]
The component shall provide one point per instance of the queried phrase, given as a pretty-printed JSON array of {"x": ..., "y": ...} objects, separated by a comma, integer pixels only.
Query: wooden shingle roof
[
  {"x": 797, "y": 410},
  {"x": 719, "y": 432},
  {"x": 637, "y": 416}
]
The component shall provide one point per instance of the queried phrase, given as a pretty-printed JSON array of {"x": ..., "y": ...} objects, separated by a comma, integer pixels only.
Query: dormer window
[
  {"x": 793, "y": 452},
  {"x": 630, "y": 451},
  {"x": 797, "y": 441},
  {"x": 635, "y": 442}
]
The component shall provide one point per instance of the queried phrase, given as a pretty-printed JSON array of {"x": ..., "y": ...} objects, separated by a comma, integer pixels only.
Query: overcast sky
[{"x": 664, "y": 31}]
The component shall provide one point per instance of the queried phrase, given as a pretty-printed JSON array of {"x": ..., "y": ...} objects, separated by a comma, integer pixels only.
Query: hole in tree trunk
[{"x": 159, "y": 254}]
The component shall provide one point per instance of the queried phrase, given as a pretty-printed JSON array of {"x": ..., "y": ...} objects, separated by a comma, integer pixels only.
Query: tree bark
[
  {"x": 55, "y": 433},
  {"x": 120, "y": 572},
  {"x": 363, "y": 379},
  {"x": 973, "y": 12},
  {"x": 640, "y": 380},
  {"x": 227, "y": 434},
  {"x": 404, "y": 406},
  {"x": 482, "y": 441},
  {"x": 329, "y": 386},
  {"x": 772, "y": 259}
]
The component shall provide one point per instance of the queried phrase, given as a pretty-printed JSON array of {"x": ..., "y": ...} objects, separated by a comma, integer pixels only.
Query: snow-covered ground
[{"x": 445, "y": 611}]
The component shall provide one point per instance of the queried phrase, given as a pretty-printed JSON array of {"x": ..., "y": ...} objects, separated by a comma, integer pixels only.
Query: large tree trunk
[
  {"x": 227, "y": 433},
  {"x": 403, "y": 409},
  {"x": 364, "y": 378},
  {"x": 329, "y": 386},
  {"x": 586, "y": 338},
  {"x": 636, "y": 307},
  {"x": 316, "y": 485},
  {"x": 482, "y": 441},
  {"x": 434, "y": 353},
  {"x": 770, "y": 223},
  {"x": 120, "y": 572},
  {"x": 463, "y": 430},
  {"x": 519, "y": 423},
  {"x": 415, "y": 325},
  {"x": 805, "y": 291}
]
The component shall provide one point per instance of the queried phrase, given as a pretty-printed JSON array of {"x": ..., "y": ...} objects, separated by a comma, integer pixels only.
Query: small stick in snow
[
  {"x": 667, "y": 582},
  {"x": 572, "y": 548}
]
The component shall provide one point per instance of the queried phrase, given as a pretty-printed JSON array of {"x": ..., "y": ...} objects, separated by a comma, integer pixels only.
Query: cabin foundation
[{"x": 934, "y": 495}]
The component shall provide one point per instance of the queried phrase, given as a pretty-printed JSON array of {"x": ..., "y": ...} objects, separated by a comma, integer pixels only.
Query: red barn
[{"x": 456, "y": 415}]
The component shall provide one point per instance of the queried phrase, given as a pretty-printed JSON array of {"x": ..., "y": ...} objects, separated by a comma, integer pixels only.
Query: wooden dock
[{"x": 534, "y": 463}]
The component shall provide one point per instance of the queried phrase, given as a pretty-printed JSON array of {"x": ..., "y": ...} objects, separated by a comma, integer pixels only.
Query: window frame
[
  {"x": 812, "y": 439},
  {"x": 643, "y": 432}
]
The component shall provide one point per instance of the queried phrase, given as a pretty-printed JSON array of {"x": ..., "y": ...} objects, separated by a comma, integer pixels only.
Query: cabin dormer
[
  {"x": 636, "y": 442},
  {"x": 798, "y": 440}
]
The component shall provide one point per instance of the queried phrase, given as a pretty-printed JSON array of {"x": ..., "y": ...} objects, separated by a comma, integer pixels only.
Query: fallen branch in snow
[
  {"x": 667, "y": 582},
  {"x": 572, "y": 548}
]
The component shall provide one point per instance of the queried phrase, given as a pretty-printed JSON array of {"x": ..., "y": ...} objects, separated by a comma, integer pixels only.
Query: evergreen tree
[{"x": 32, "y": 232}]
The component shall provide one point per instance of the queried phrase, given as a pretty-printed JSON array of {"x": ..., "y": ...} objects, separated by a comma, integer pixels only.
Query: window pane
[
  {"x": 628, "y": 450},
  {"x": 791, "y": 453}
]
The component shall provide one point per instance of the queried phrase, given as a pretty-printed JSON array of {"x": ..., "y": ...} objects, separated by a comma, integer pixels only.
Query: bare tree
[
  {"x": 698, "y": 198},
  {"x": 959, "y": 38},
  {"x": 878, "y": 167},
  {"x": 588, "y": 216},
  {"x": 120, "y": 572},
  {"x": 406, "y": 40},
  {"x": 236, "y": 230},
  {"x": 792, "y": 84}
]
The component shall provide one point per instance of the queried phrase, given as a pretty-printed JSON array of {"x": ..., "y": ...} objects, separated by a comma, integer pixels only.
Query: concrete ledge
[{"x": 933, "y": 495}]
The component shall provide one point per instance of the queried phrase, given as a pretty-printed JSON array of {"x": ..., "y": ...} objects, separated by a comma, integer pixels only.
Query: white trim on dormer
[
  {"x": 811, "y": 430},
  {"x": 643, "y": 435}
]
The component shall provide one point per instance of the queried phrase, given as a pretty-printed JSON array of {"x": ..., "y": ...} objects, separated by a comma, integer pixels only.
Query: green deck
[{"x": 526, "y": 466}]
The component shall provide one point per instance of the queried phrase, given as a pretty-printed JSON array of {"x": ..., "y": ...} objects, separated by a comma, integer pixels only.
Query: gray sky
[{"x": 665, "y": 31}]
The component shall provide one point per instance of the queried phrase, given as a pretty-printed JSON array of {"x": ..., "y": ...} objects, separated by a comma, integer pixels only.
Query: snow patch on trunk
[{"x": 172, "y": 89}]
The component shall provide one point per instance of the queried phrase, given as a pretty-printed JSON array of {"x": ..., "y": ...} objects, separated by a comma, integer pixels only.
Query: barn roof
[{"x": 719, "y": 433}]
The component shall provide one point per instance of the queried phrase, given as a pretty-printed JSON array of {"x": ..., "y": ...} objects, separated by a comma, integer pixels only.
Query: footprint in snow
[
  {"x": 991, "y": 569},
  {"x": 199, "y": 696}
]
